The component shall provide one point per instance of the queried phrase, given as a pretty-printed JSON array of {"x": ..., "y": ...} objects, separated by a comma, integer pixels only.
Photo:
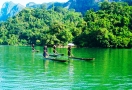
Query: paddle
[{"x": 58, "y": 53}]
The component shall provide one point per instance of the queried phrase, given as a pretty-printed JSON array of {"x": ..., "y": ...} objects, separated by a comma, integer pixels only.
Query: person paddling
[
  {"x": 45, "y": 48},
  {"x": 45, "y": 52},
  {"x": 33, "y": 47},
  {"x": 69, "y": 51},
  {"x": 54, "y": 49}
]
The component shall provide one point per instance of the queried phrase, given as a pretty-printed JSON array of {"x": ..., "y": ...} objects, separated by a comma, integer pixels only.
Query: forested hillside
[
  {"x": 109, "y": 27},
  {"x": 41, "y": 26}
]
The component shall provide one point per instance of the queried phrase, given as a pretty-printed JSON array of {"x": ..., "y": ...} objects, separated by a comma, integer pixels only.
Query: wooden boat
[
  {"x": 55, "y": 55},
  {"x": 82, "y": 58},
  {"x": 54, "y": 59}
]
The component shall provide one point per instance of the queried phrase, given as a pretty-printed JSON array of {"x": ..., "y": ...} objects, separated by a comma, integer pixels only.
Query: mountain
[
  {"x": 84, "y": 5},
  {"x": 9, "y": 9},
  {"x": 32, "y": 5},
  {"x": 46, "y": 5}
]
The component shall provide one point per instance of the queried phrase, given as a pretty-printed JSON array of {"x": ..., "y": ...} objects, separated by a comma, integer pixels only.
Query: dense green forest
[{"x": 111, "y": 26}]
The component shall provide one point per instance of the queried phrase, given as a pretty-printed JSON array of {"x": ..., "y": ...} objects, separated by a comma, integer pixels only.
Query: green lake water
[{"x": 22, "y": 69}]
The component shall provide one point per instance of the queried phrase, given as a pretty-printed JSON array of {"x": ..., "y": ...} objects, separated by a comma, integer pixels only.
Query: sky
[{"x": 24, "y": 2}]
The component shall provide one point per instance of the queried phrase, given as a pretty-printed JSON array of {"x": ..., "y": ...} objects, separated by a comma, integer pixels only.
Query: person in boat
[
  {"x": 69, "y": 51},
  {"x": 32, "y": 46},
  {"x": 45, "y": 52},
  {"x": 45, "y": 48},
  {"x": 54, "y": 49}
]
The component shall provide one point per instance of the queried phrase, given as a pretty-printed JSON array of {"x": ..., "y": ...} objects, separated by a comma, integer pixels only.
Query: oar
[{"x": 59, "y": 54}]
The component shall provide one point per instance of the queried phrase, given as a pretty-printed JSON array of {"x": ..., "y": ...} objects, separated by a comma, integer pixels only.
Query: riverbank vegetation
[{"x": 111, "y": 26}]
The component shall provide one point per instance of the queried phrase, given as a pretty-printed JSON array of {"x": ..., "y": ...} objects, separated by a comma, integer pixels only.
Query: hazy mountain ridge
[
  {"x": 10, "y": 9},
  {"x": 32, "y": 5}
]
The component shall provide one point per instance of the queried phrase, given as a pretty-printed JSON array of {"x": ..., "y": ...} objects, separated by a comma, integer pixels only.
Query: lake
[{"x": 22, "y": 69}]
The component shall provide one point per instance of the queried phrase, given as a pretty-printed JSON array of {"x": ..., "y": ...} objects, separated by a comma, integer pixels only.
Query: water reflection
[{"x": 46, "y": 63}]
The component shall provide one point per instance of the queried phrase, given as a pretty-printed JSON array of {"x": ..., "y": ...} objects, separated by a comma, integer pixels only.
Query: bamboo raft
[{"x": 82, "y": 58}]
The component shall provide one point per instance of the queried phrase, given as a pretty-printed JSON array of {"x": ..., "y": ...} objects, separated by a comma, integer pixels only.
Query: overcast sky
[{"x": 24, "y": 2}]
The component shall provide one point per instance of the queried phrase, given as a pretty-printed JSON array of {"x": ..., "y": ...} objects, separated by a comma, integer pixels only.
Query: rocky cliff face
[{"x": 9, "y": 9}]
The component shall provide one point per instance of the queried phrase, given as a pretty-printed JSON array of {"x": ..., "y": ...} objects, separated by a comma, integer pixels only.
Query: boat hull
[
  {"x": 82, "y": 58},
  {"x": 56, "y": 59},
  {"x": 55, "y": 55}
]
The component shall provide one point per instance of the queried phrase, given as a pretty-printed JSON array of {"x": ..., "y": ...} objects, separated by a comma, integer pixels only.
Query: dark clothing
[
  {"x": 69, "y": 51},
  {"x": 45, "y": 53},
  {"x": 69, "y": 48},
  {"x": 54, "y": 49},
  {"x": 33, "y": 47}
]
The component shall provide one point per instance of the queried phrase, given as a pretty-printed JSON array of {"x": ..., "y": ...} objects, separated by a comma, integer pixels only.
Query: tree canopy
[
  {"x": 40, "y": 26},
  {"x": 111, "y": 26}
]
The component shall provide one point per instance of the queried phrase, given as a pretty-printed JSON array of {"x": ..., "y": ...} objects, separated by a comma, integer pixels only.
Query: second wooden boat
[
  {"x": 54, "y": 59},
  {"x": 82, "y": 58}
]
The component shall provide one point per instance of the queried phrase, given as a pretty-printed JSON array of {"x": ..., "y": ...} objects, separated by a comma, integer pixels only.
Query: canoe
[
  {"x": 82, "y": 58},
  {"x": 55, "y": 55},
  {"x": 56, "y": 59}
]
